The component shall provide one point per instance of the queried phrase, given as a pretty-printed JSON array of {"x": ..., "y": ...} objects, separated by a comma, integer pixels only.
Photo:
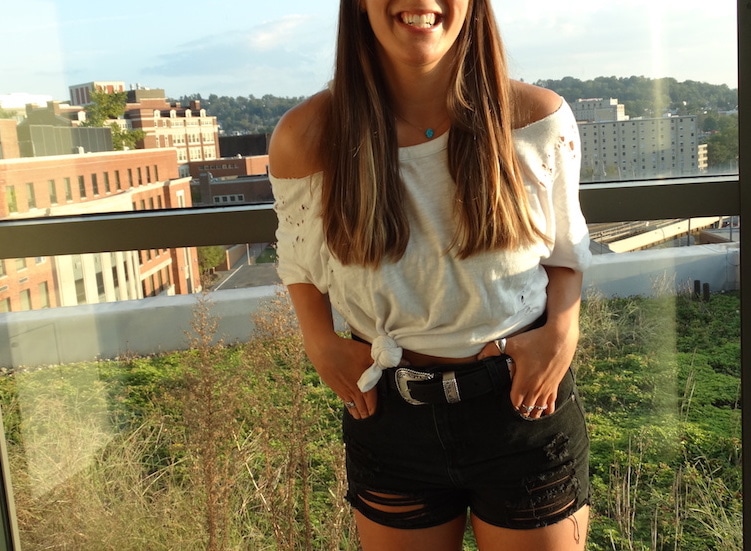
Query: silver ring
[
  {"x": 501, "y": 344},
  {"x": 526, "y": 409},
  {"x": 541, "y": 408},
  {"x": 349, "y": 404}
]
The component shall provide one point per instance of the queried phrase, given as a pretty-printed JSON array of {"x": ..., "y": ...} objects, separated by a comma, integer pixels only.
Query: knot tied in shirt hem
[{"x": 385, "y": 353}]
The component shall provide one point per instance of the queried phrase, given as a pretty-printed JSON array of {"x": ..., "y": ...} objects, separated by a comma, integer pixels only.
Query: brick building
[
  {"x": 80, "y": 94},
  {"x": 188, "y": 129},
  {"x": 92, "y": 183},
  {"x": 234, "y": 180},
  {"x": 9, "y": 148}
]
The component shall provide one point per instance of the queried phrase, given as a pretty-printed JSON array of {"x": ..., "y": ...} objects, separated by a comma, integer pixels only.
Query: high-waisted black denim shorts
[{"x": 417, "y": 466}]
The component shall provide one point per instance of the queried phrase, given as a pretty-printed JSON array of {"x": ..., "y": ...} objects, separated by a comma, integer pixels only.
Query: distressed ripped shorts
[{"x": 417, "y": 466}]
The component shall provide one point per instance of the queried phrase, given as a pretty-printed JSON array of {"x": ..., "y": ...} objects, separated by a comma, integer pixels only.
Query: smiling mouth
[{"x": 420, "y": 20}]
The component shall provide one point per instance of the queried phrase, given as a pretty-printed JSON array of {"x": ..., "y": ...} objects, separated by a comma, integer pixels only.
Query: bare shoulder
[
  {"x": 532, "y": 103},
  {"x": 294, "y": 145}
]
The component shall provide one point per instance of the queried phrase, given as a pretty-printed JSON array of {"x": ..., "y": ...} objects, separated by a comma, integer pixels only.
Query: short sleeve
[
  {"x": 302, "y": 256},
  {"x": 570, "y": 237}
]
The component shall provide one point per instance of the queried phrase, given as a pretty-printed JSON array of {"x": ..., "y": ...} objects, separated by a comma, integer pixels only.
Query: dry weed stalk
[
  {"x": 297, "y": 433},
  {"x": 211, "y": 410}
]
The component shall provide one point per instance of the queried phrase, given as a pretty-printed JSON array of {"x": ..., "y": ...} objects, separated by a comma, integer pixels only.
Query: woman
[{"x": 433, "y": 202}]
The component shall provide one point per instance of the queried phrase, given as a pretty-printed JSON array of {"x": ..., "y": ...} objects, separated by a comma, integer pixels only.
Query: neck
[
  {"x": 419, "y": 104},
  {"x": 418, "y": 94}
]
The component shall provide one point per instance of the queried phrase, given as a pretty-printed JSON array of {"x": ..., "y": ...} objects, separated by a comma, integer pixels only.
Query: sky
[{"x": 285, "y": 47}]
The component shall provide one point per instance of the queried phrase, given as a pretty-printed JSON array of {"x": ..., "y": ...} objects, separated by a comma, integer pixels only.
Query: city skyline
[{"x": 286, "y": 48}]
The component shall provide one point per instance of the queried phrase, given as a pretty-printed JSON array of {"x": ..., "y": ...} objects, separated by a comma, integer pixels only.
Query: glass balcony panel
[{"x": 139, "y": 412}]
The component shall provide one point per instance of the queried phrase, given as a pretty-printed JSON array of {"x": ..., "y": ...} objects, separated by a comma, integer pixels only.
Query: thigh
[
  {"x": 376, "y": 537},
  {"x": 569, "y": 534}
]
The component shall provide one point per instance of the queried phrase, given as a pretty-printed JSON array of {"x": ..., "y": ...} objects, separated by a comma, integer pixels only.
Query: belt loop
[{"x": 451, "y": 387}]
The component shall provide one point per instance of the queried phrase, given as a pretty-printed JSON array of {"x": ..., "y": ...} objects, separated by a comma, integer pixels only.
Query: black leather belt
[{"x": 449, "y": 385}]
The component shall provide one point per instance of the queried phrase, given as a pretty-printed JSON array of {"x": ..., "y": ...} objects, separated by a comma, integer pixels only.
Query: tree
[
  {"x": 722, "y": 146},
  {"x": 122, "y": 139},
  {"x": 105, "y": 108},
  {"x": 209, "y": 257}
]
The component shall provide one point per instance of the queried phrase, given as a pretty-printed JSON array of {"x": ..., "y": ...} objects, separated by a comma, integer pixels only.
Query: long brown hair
[{"x": 363, "y": 199}]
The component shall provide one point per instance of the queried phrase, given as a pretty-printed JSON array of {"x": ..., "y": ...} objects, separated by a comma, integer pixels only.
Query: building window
[
  {"x": 25, "y": 297},
  {"x": 4, "y": 305},
  {"x": 106, "y": 177},
  {"x": 10, "y": 199},
  {"x": 44, "y": 295},
  {"x": 68, "y": 190},
  {"x": 140, "y": 176},
  {"x": 130, "y": 177},
  {"x": 53, "y": 192},
  {"x": 31, "y": 196},
  {"x": 94, "y": 184},
  {"x": 20, "y": 264},
  {"x": 148, "y": 175},
  {"x": 82, "y": 187},
  {"x": 156, "y": 173},
  {"x": 118, "y": 183},
  {"x": 2, "y": 268}
]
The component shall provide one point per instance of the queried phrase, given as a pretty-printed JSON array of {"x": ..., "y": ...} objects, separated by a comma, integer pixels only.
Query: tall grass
[
  {"x": 220, "y": 448},
  {"x": 238, "y": 447}
]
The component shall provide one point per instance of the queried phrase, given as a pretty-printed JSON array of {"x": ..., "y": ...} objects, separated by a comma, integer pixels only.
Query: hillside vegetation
[{"x": 642, "y": 97}]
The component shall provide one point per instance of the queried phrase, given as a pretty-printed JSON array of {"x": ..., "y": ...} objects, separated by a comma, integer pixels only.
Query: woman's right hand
[{"x": 340, "y": 362}]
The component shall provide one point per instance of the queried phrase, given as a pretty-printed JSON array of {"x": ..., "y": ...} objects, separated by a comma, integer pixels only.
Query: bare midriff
[{"x": 422, "y": 360}]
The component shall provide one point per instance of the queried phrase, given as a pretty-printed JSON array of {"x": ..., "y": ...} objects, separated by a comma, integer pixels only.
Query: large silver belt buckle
[{"x": 404, "y": 376}]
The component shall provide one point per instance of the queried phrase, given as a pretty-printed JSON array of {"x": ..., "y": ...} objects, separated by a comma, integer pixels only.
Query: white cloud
[
  {"x": 290, "y": 56},
  {"x": 281, "y": 33}
]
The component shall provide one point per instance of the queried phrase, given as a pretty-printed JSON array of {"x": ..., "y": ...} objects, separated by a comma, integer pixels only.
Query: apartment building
[
  {"x": 188, "y": 129},
  {"x": 598, "y": 110},
  {"x": 615, "y": 147},
  {"x": 86, "y": 184}
]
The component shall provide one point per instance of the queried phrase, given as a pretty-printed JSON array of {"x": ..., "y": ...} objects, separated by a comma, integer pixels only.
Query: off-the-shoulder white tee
[{"x": 430, "y": 301}]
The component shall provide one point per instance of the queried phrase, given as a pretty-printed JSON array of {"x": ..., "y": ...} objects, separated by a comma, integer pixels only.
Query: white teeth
[{"x": 422, "y": 21}]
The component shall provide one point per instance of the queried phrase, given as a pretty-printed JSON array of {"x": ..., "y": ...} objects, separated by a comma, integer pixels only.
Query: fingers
[
  {"x": 362, "y": 405},
  {"x": 534, "y": 406},
  {"x": 530, "y": 400},
  {"x": 534, "y": 411}
]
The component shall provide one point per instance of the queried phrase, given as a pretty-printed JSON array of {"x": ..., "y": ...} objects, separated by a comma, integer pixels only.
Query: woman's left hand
[
  {"x": 542, "y": 356},
  {"x": 539, "y": 361}
]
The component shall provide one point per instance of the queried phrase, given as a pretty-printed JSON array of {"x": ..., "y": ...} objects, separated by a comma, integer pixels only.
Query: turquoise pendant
[{"x": 429, "y": 133}]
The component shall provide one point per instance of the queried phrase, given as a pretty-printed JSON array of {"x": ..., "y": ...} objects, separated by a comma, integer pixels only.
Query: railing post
[
  {"x": 744, "y": 177},
  {"x": 10, "y": 539}
]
